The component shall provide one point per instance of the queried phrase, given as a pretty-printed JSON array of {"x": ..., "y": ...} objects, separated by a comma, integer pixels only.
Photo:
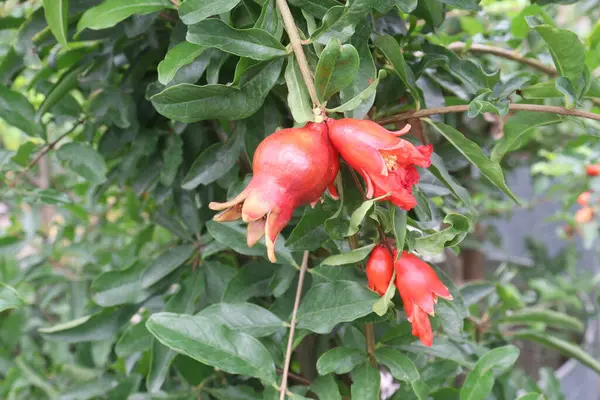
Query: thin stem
[
  {"x": 292, "y": 31},
  {"x": 370, "y": 339},
  {"x": 45, "y": 150},
  {"x": 504, "y": 53},
  {"x": 463, "y": 108},
  {"x": 296, "y": 377},
  {"x": 288, "y": 352}
]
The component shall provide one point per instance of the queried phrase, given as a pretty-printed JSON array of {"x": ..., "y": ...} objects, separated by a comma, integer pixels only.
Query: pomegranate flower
[
  {"x": 419, "y": 287},
  {"x": 292, "y": 167},
  {"x": 380, "y": 269},
  {"x": 386, "y": 162}
]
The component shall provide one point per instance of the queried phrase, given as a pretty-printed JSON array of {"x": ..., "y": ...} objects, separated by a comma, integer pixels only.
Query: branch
[
  {"x": 504, "y": 53},
  {"x": 463, "y": 108},
  {"x": 296, "y": 377},
  {"x": 288, "y": 352},
  {"x": 45, "y": 151},
  {"x": 292, "y": 31}
]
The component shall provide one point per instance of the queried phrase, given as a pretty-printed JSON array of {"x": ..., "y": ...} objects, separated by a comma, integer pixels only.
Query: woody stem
[{"x": 296, "y": 42}]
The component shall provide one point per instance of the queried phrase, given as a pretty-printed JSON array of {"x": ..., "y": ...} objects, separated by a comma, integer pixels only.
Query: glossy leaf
[
  {"x": 252, "y": 43},
  {"x": 16, "y": 110},
  {"x": 340, "y": 360},
  {"x": 190, "y": 103},
  {"x": 458, "y": 226},
  {"x": 475, "y": 155},
  {"x": 210, "y": 343},
  {"x": 401, "y": 367},
  {"x": 134, "y": 340},
  {"x": 194, "y": 11},
  {"x": 251, "y": 281},
  {"x": 337, "y": 68},
  {"x": 111, "y": 12},
  {"x": 365, "y": 382},
  {"x": 393, "y": 53},
  {"x": 327, "y": 304},
  {"x": 213, "y": 163},
  {"x": 518, "y": 129},
  {"x": 181, "y": 54},
  {"x": 385, "y": 302},
  {"x": 438, "y": 169},
  {"x": 350, "y": 257},
  {"x": 480, "y": 380},
  {"x": 9, "y": 298},
  {"x": 326, "y": 388},
  {"x": 549, "y": 317},
  {"x": 243, "y": 317},
  {"x": 166, "y": 263},
  {"x": 298, "y": 98},
  {"x": 120, "y": 287},
  {"x": 56, "y": 12},
  {"x": 361, "y": 97}
]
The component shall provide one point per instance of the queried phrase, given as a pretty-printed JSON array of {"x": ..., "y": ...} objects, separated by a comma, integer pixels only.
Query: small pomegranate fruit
[
  {"x": 386, "y": 162},
  {"x": 592, "y": 170},
  {"x": 292, "y": 167},
  {"x": 584, "y": 215},
  {"x": 380, "y": 269},
  {"x": 584, "y": 198},
  {"x": 419, "y": 287}
]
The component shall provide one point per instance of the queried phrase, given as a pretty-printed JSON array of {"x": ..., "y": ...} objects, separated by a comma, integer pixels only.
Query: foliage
[{"x": 121, "y": 120}]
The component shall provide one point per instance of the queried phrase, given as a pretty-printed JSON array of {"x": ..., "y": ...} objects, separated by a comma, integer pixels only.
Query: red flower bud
[
  {"x": 419, "y": 288},
  {"x": 584, "y": 215},
  {"x": 380, "y": 268},
  {"x": 386, "y": 162},
  {"x": 592, "y": 170},
  {"x": 584, "y": 198},
  {"x": 292, "y": 167}
]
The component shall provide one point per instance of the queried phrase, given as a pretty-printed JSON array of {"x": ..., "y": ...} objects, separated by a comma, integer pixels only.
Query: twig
[
  {"x": 45, "y": 150},
  {"x": 296, "y": 377},
  {"x": 370, "y": 339},
  {"x": 292, "y": 31},
  {"x": 504, "y": 53},
  {"x": 288, "y": 352},
  {"x": 463, "y": 108}
]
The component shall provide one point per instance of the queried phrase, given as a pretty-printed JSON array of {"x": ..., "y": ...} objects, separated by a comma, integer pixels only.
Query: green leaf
[
  {"x": 517, "y": 130},
  {"x": 65, "y": 84},
  {"x": 309, "y": 233},
  {"x": 166, "y": 263},
  {"x": 562, "y": 346},
  {"x": 510, "y": 295},
  {"x": 438, "y": 169},
  {"x": 89, "y": 390},
  {"x": 189, "y": 103},
  {"x": 243, "y": 317},
  {"x": 401, "y": 367},
  {"x": 566, "y": 49},
  {"x": 135, "y": 339},
  {"x": 475, "y": 155},
  {"x": 472, "y": 5},
  {"x": 34, "y": 379},
  {"x": 214, "y": 162},
  {"x": 340, "y": 360},
  {"x": 194, "y": 11},
  {"x": 84, "y": 160},
  {"x": 9, "y": 298},
  {"x": 184, "y": 302},
  {"x": 392, "y": 51},
  {"x": 539, "y": 315},
  {"x": 398, "y": 218},
  {"x": 350, "y": 257},
  {"x": 325, "y": 387},
  {"x": 361, "y": 97},
  {"x": 252, "y": 43},
  {"x": 337, "y": 68},
  {"x": 317, "y": 8},
  {"x": 213, "y": 344},
  {"x": 382, "y": 305},
  {"x": 327, "y": 304},
  {"x": 56, "y": 12},
  {"x": 111, "y": 12},
  {"x": 298, "y": 97},
  {"x": 365, "y": 382},
  {"x": 479, "y": 382},
  {"x": 364, "y": 86},
  {"x": 91, "y": 328},
  {"x": 113, "y": 288},
  {"x": 359, "y": 215},
  {"x": 16, "y": 110},
  {"x": 179, "y": 55},
  {"x": 239, "y": 392},
  {"x": 251, "y": 281},
  {"x": 434, "y": 244},
  {"x": 172, "y": 159}
]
